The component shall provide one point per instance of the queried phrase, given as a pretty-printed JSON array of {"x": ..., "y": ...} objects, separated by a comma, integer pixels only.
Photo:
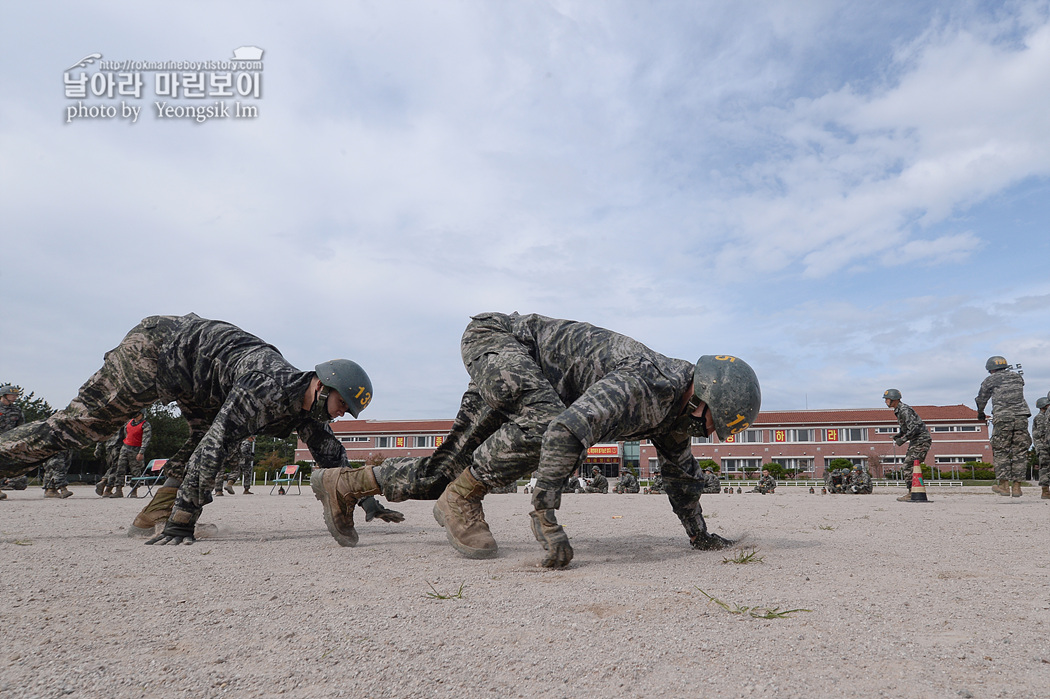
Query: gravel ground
[{"x": 943, "y": 599}]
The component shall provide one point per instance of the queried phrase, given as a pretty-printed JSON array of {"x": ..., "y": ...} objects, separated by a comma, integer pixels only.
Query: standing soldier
[
  {"x": 1010, "y": 413},
  {"x": 238, "y": 467},
  {"x": 541, "y": 392},
  {"x": 10, "y": 414},
  {"x": 108, "y": 451},
  {"x": 137, "y": 433},
  {"x": 55, "y": 470},
  {"x": 1041, "y": 440},
  {"x": 912, "y": 430},
  {"x": 228, "y": 384}
]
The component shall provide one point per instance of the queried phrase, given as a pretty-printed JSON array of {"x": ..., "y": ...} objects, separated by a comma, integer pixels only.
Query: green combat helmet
[
  {"x": 1042, "y": 403},
  {"x": 10, "y": 389},
  {"x": 729, "y": 387},
  {"x": 349, "y": 379},
  {"x": 996, "y": 363},
  {"x": 891, "y": 394}
]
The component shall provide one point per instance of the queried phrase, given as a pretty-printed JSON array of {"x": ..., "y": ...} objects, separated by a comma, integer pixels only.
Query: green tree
[
  {"x": 776, "y": 470},
  {"x": 169, "y": 430},
  {"x": 708, "y": 463}
]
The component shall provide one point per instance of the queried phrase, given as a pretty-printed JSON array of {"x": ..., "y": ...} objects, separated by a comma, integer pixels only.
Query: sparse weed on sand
[
  {"x": 434, "y": 594},
  {"x": 755, "y": 612},
  {"x": 745, "y": 557}
]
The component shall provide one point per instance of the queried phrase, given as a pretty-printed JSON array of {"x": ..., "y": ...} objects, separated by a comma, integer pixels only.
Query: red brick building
[{"x": 805, "y": 441}]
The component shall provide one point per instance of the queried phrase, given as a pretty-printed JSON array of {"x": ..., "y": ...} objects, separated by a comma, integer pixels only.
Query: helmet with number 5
[
  {"x": 350, "y": 380},
  {"x": 996, "y": 363},
  {"x": 729, "y": 387}
]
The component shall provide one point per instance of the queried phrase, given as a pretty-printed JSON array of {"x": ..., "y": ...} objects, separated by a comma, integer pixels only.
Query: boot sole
[
  {"x": 469, "y": 552},
  {"x": 320, "y": 493}
]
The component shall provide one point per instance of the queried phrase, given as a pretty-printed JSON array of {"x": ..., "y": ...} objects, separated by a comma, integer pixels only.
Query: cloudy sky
[{"x": 850, "y": 197}]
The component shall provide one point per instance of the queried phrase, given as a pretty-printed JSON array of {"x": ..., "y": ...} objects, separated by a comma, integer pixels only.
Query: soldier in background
[
  {"x": 912, "y": 430},
  {"x": 108, "y": 451},
  {"x": 656, "y": 484},
  {"x": 542, "y": 391},
  {"x": 711, "y": 482},
  {"x": 11, "y": 416},
  {"x": 766, "y": 483},
  {"x": 137, "y": 433},
  {"x": 55, "y": 471},
  {"x": 1010, "y": 413},
  {"x": 238, "y": 468},
  {"x": 860, "y": 481},
  {"x": 1041, "y": 440},
  {"x": 628, "y": 482},
  {"x": 836, "y": 480},
  {"x": 599, "y": 483}
]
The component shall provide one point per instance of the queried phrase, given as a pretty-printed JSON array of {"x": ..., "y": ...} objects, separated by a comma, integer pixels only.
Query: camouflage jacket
[
  {"x": 237, "y": 383},
  {"x": 10, "y": 417},
  {"x": 767, "y": 482},
  {"x": 711, "y": 483},
  {"x": 1005, "y": 388},
  {"x": 861, "y": 480},
  {"x": 912, "y": 427},
  {"x": 1040, "y": 434},
  {"x": 615, "y": 388}
]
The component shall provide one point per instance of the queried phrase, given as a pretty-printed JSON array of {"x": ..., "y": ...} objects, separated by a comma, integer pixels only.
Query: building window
[
  {"x": 885, "y": 430},
  {"x": 353, "y": 439},
  {"x": 853, "y": 434},
  {"x": 803, "y": 465},
  {"x": 740, "y": 465},
  {"x": 701, "y": 440},
  {"x": 424, "y": 442},
  {"x": 750, "y": 436},
  {"x": 390, "y": 442},
  {"x": 955, "y": 459},
  {"x": 800, "y": 435},
  {"x": 957, "y": 428}
]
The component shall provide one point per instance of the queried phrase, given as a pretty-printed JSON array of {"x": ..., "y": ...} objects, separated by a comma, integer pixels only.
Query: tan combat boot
[
  {"x": 107, "y": 491},
  {"x": 1002, "y": 487},
  {"x": 65, "y": 492},
  {"x": 118, "y": 492},
  {"x": 50, "y": 493},
  {"x": 157, "y": 510},
  {"x": 1046, "y": 493},
  {"x": 3, "y": 495},
  {"x": 229, "y": 488},
  {"x": 459, "y": 511},
  {"x": 247, "y": 491},
  {"x": 218, "y": 492},
  {"x": 134, "y": 492},
  {"x": 339, "y": 489},
  {"x": 100, "y": 488},
  {"x": 1016, "y": 491}
]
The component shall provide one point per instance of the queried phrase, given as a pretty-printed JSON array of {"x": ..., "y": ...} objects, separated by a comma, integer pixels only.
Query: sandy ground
[{"x": 944, "y": 599}]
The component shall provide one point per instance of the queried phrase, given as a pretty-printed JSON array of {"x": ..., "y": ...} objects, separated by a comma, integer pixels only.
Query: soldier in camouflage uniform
[
  {"x": 835, "y": 480},
  {"x": 912, "y": 430},
  {"x": 599, "y": 483},
  {"x": 1010, "y": 413},
  {"x": 238, "y": 468},
  {"x": 228, "y": 384},
  {"x": 766, "y": 483},
  {"x": 542, "y": 391},
  {"x": 711, "y": 482},
  {"x": 55, "y": 470},
  {"x": 656, "y": 485},
  {"x": 628, "y": 483},
  {"x": 1041, "y": 440},
  {"x": 10, "y": 414},
  {"x": 860, "y": 482},
  {"x": 137, "y": 434},
  {"x": 108, "y": 451}
]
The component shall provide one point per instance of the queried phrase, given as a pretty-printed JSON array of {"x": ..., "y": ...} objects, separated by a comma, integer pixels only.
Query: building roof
[
  {"x": 390, "y": 426},
  {"x": 928, "y": 413}
]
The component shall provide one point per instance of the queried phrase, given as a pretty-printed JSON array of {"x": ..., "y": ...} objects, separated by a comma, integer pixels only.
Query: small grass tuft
[
  {"x": 745, "y": 557},
  {"x": 827, "y": 527},
  {"x": 755, "y": 612},
  {"x": 434, "y": 594}
]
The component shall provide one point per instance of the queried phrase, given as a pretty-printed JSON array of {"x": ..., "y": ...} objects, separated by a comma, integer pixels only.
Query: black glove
[
  {"x": 554, "y": 539},
  {"x": 179, "y": 527},
  {"x": 981, "y": 416},
  {"x": 686, "y": 504},
  {"x": 374, "y": 509}
]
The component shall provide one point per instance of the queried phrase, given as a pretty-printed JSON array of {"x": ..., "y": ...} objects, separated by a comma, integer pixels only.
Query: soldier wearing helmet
[
  {"x": 10, "y": 414},
  {"x": 227, "y": 383},
  {"x": 912, "y": 430},
  {"x": 1010, "y": 440},
  {"x": 1041, "y": 441},
  {"x": 542, "y": 391}
]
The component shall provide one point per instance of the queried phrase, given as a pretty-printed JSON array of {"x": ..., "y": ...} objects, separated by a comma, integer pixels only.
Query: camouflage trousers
[
  {"x": 117, "y": 392},
  {"x": 127, "y": 465},
  {"x": 499, "y": 428},
  {"x": 55, "y": 473},
  {"x": 917, "y": 451},
  {"x": 1043, "y": 452},
  {"x": 1010, "y": 443},
  {"x": 236, "y": 470}
]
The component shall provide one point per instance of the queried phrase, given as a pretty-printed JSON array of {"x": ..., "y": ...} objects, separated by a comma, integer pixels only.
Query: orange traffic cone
[{"x": 918, "y": 489}]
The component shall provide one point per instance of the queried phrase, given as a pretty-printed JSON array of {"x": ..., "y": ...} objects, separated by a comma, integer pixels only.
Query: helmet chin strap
[{"x": 319, "y": 410}]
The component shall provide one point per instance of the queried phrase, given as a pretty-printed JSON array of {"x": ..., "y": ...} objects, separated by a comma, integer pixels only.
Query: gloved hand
[
  {"x": 555, "y": 541},
  {"x": 686, "y": 505},
  {"x": 898, "y": 442},
  {"x": 383, "y": 513},
  {"x": 981, "y": 416},
  {"x": 179, "y": 527}
]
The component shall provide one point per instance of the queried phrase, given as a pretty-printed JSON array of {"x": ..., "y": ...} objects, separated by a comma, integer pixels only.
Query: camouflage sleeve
[
  {"x": 147, "y": 433},
  {"x": 324, "y": 446},
  {"x": 683, "y": 479},
  {"x": 911, "y": 426},
  {"x": 1038, "y": 429},
  {"x": 985, "y": 393}
]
